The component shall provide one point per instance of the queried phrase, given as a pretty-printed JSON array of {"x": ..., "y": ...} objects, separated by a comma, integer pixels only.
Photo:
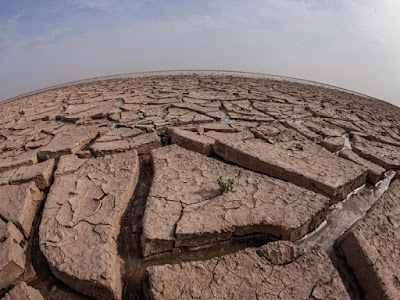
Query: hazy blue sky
[{"x": 350, "y": 43}]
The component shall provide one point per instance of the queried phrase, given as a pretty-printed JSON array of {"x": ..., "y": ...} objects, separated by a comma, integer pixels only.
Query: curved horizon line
[{"x": 187, "y": 72}]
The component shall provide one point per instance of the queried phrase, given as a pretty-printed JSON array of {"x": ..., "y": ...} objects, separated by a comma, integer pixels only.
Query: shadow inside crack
[{"x": 129, "y": 238}]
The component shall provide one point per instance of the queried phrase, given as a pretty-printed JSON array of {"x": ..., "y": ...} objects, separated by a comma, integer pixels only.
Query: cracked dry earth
[{"x": 108, "y": 190}]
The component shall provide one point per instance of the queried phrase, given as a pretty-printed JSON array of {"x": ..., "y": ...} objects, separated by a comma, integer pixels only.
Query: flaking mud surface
[{"x": 314, "y": 169}]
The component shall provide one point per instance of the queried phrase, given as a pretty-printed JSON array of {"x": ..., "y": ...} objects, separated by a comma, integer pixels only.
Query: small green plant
[{"x": 225, "y": 186}]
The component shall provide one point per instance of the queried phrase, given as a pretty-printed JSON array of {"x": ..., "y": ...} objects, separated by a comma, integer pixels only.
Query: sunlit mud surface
[
  {"x": 130, "y": 249},
  {"x": 291, "y": 149}
]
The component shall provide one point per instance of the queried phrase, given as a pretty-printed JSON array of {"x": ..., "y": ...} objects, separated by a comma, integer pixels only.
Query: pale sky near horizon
[{"x": 353, "y": 44}]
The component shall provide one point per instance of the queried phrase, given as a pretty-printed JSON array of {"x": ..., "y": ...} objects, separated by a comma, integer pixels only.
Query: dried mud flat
[{"x": 109, "y": 190}]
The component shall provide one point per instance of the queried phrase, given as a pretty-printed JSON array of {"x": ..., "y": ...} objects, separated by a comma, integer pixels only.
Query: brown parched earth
[{"x": 111, "y": 189}]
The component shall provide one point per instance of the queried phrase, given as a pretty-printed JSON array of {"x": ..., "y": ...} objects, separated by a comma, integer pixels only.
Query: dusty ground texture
[
  {"x": 103, "y": 180},
  {"x": 275, "y": 271}
]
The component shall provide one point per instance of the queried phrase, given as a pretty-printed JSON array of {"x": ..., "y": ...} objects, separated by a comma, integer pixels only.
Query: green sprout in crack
[{"x": 225, "y": 186}]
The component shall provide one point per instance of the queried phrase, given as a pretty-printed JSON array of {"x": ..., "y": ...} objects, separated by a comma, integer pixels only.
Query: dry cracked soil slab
[
  {"x": 372, "y": 247},
  {"x": 276, "y": 271},
  {"x": 40, "y": 173},
  {"x": 12, "y": 258},
  {"x": 301, "y": 162},
  {"x": 69, "y": 141},
  {"x": 19, "y": 204},
  {"x": 185, "y": 207},
  {"x": 192, "y": 141},
  {"x": 203, "y": 142},
  {"x": 375, "y": 172},
  {"x": 13, "y": 160},
  {"x": 142, "y": 143},
  {"x": 23, "y": 291},
  {"x": 81, "y": 222},
  {"x": 387, "y": 156},
  {"x": 18, "y": 207}
]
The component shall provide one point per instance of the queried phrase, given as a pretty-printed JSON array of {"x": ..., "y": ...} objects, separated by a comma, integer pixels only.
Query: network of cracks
[{"x": 110, "y": 190}]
